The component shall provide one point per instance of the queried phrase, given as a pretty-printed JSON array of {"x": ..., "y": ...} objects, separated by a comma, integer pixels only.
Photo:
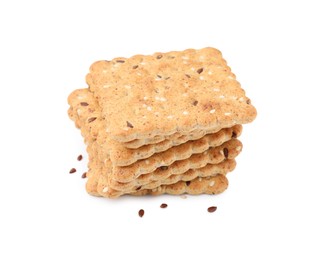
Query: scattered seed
[
  {"x": 188, "y": 183},
  {"x": 159, "y": 57},
  {"x": 199, "y": 71},
  {"x": 212, "y": 209},
  {"x": 73, "y": 170},
  {"x": 226, "y": 152},
  {"x": 80, "y": 157},
  {"x": 141, "y": 213},
  {"x": 195, "y": 103},
  {"x": 135, "y": 67},
  {"x": 234, "y": 135},
  {"x": 187, "y": 75},
  {"x": 139, "y": 187},
  {"x": 120, "y": 61},
  {"x": 163, "y": 205},
  {"x": 248, "y": 102},
  {"x": 129, "y": 124},
  {"x": 84, "y": 104},
  {"x": 84, "y": 175},
  {"x": 163, "y": 168},
  {"x": 91, "y": 119}
]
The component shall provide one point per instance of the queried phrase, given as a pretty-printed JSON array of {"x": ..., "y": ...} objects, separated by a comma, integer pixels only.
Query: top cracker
[{"x": 161, "y": 94}]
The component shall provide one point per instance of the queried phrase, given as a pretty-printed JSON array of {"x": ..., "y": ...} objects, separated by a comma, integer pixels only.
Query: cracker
[
  {"x": 122, "y": 156},
  {"x": 165, "y": 93}
]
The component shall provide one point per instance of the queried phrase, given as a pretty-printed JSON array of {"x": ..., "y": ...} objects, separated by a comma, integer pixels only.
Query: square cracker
[{"x": 161, "y": 94}]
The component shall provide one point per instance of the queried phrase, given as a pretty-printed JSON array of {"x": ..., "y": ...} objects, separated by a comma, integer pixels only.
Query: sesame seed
[
  {"x": 105, "y": 189},
  {"x": 209, "y": 72},
  {"x": 212, "y": 183},
  {"x": 163, "y": 205},
  {"x": 216, "y": 89},
  {"x": 185, "y": 113},
  {"x": 163, "y": 99},
  {"x": 170, "y": 117},
  {"x": 238, "y": 148},
  {"x": 149, "y": 108},
  {"x": 212, "y": 111},
  {"x": 106, "y": 86},
  {"x": 222, "y": 96},
  {"x": 145, "y": 98},
  {"x": 127, "y": 86},
  {"x": 241, "y": 99},
  {"x": 227, "y": 114},
  {"x": 201, "y": 78},
  {"x": 80, "y": 157},
  {"x": 84, "y": 175}
]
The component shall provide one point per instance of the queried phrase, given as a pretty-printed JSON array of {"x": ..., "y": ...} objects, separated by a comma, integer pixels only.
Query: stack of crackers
[{"x": 162, "y": 123}]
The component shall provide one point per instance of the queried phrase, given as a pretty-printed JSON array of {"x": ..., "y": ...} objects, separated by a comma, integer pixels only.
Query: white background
[{"x": 46, "y": 50}]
